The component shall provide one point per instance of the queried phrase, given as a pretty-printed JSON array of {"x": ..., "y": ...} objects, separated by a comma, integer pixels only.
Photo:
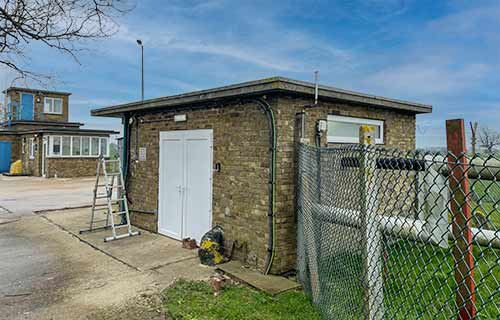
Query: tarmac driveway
[
  {"x": 23, "y": 195},
  {"x": 49, "y": 271}
]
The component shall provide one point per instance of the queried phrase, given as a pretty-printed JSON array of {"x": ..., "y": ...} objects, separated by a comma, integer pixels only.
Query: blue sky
[{"x": 444, "y": 53}]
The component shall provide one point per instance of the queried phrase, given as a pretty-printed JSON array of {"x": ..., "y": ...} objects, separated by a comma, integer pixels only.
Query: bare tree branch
[
  {"x": 489, "y": 139},
  {"x": 59, "y": 24}
]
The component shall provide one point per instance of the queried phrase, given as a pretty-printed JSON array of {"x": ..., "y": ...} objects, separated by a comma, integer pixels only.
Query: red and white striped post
[{"x": 461, "y": 219}]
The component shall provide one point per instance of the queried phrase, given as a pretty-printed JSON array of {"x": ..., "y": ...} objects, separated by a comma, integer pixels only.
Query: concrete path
[
  {"x": 148, "y": 251},
  {"x": 23, "y": 195},
  {"x": 49, "y": 272}
]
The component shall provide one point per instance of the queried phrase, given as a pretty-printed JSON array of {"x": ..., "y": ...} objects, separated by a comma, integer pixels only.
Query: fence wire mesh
[{"x": 386, "y": 234}]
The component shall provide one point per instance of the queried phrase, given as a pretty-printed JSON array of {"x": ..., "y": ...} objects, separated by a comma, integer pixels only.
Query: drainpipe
[
  {"x": 126, "y": 146},
  {"x": 271, "y": 248},
  {"x": 125, "y": 155}
]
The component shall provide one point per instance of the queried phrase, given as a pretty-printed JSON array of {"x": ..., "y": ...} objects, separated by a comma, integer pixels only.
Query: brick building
[
  {"x": 34, "y": 128},
  {"x": 226, "y": 156}
]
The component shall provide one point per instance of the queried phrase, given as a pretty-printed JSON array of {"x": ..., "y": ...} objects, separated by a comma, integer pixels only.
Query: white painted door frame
[
  {"x": 44, "y": 154},
  {"x": 181, "y": 211}
]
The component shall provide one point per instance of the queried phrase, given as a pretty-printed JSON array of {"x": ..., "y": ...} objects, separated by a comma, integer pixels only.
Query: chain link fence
[{"x": 386, "y": 234}]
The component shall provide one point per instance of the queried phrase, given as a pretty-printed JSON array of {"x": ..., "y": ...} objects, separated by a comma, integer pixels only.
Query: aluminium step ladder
[{"x": 114, "y": 194}]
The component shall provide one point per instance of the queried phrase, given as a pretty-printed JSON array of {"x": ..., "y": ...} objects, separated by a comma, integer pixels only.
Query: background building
[{"x": 34, "y": 128}]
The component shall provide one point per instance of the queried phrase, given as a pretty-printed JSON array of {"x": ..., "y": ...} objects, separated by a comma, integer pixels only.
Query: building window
[
  {"x": 76, "y": 146},
  {"x": 85, "y": 146},
  {"x": 66, "y": 146},
  {"x": 32, "y": 148},
  {"x": 53, "y": 105},
  {"x": 56, "y": 146},
  {"x": 94, "y": 148},
  {"x": 346, "y": 129},
  {"x": 104, "y": 146}
]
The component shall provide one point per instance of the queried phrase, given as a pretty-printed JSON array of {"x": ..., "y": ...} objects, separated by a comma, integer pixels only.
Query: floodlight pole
[{"x": 139, "y": 42}]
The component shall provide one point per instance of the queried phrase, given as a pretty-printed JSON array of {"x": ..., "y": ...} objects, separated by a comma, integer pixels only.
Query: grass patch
[
  {"x": 192, "y": 300},
  {"x": 485, "y": 196},
  {"x": 418, "y": 283}
]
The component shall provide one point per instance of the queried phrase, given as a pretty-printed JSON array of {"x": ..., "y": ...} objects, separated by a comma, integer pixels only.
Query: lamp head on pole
[{"x": 139, "y": 42}]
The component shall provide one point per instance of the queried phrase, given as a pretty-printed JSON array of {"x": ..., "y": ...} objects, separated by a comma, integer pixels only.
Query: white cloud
[
  {"x": 468, "y": 22},
  {"x": 427, "y": 78},
  {"x": 259, "y": 41}
]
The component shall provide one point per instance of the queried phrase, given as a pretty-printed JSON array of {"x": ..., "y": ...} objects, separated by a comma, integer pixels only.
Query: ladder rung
[
  {"x": 101, "y": 205},
  {"x": 111, "y": 161},
  {"x": 114, "y": 174},
  {"x": 110, "y": 186},
  {"x": 113, "y": 202},
  {"x": 121, "y": 236},
  {"x": 102, "y": 197},
  {"x": 121, "y": 226},
  {"x": 119, "y": 212}
]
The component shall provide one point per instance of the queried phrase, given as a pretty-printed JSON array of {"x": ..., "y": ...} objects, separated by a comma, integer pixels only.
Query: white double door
[{"x": 185, "y": 183}]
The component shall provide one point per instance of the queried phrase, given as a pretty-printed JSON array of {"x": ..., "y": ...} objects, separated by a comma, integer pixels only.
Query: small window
[
  {"x": 94, "y": 150},
  {"x": 32, "y": 148},
  {"x": 346, "y": 129},
  {"x": 75, "y": 149},
  {"x": 66, "y": 146},
  {"x": 53, "y": 105},
  {"x": 104, "y": 147},
  {"x": 56, "y": 146},
  {"x": 85, "y": 146}
]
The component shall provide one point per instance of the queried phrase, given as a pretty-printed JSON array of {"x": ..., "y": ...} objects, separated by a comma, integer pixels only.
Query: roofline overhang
[
  {"x": 260, "y": 87},
  {"x": 43, "y": 123},
  {"x": 61, "y": 130},
  {"x": 30, "y": 90}
]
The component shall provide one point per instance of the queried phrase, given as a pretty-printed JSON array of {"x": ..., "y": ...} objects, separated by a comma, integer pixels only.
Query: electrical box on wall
[{"x": 321, "y": 125}]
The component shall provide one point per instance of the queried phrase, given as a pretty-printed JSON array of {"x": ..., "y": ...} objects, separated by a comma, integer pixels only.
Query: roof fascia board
[{"x": 262, "y": 87}]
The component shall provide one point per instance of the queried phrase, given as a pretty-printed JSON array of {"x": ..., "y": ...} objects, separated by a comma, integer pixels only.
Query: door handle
[{"x": 179, "y": 188}]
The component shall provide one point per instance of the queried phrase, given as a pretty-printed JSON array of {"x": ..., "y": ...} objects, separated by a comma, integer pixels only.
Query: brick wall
[
  {"x": 31, "y": 166},
  {"x": 399, "y": 132},
  {"x": 71, "y": 167},
  {"x": 240, "y": 203},
  {"x": 241, "y": 145}
]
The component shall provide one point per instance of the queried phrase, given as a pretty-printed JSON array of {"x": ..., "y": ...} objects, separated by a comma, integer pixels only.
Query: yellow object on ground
[
  {"x": 213, "y": 248},
  {"x": 16, "y": 167}
]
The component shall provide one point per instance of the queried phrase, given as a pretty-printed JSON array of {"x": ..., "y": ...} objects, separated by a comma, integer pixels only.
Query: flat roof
[
  {"x": 31, "y": 90},
  {"x": 42, "y": 123},
  {"x": 259, "y": 87},
  {"x": 60, "y": 130}
]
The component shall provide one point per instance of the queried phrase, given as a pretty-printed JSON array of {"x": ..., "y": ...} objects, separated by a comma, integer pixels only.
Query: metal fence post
[
  {"x": 461, "y": 219},
  {"x": 371, "y": 233}
]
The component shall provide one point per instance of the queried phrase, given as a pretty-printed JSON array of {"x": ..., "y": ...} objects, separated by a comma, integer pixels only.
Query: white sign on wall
[{"x": 142, "y": 154}]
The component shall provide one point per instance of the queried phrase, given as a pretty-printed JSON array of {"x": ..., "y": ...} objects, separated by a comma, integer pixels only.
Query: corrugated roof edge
[{"x": 261, "y": 87}]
